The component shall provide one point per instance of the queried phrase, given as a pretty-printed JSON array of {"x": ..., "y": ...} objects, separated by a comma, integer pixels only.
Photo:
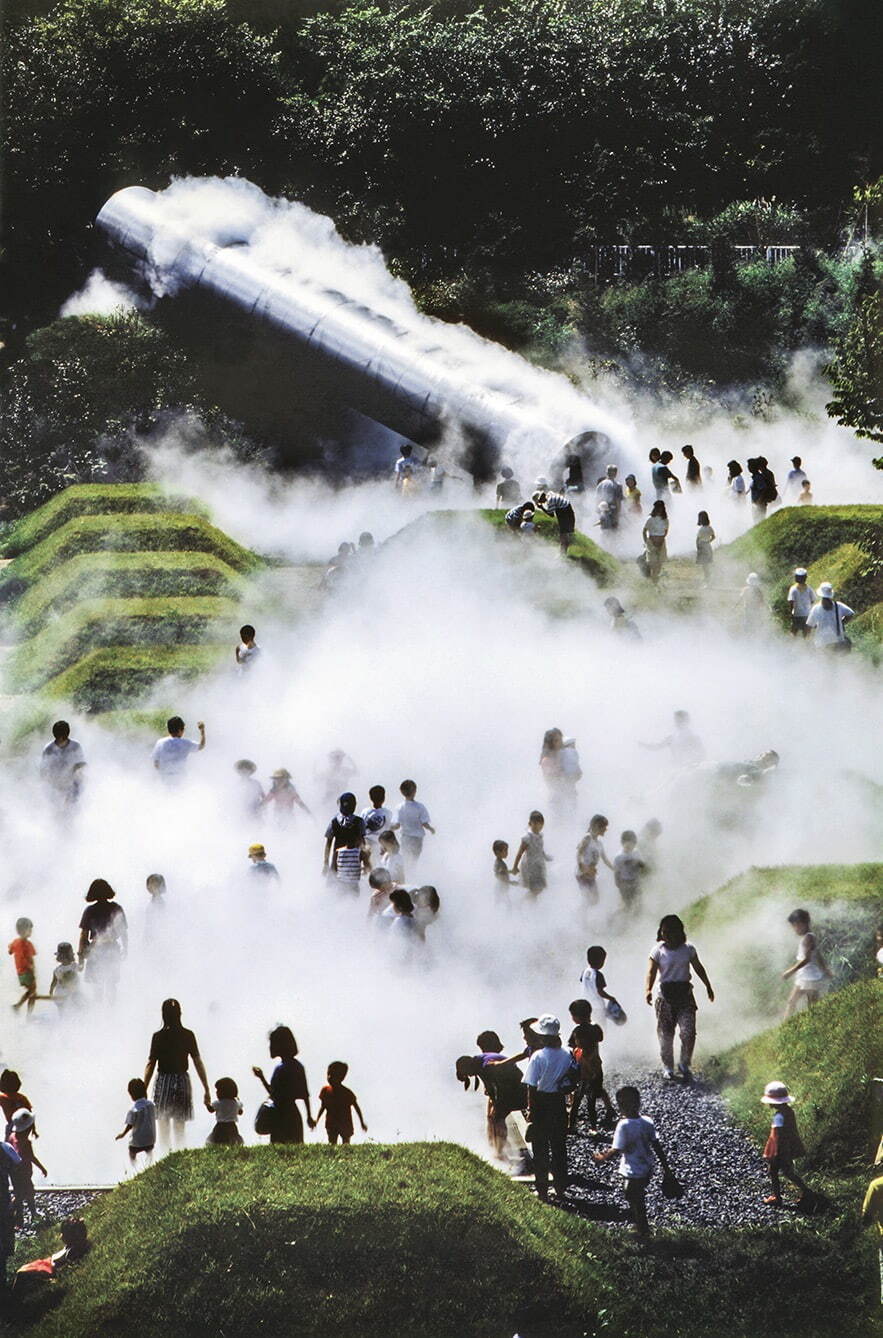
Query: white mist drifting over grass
[{"x": 434, "y": 662}]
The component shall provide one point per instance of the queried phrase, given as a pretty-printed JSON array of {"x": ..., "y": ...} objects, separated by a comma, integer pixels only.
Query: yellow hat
[{"x": 257, "y": 850}]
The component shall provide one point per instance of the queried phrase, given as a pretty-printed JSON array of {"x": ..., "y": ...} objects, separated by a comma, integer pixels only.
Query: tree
[{"x": 856, "y": 372}]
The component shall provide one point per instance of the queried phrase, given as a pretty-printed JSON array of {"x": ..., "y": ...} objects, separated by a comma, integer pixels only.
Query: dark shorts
[
  {"x": 133, "y": 1152},
  {"x": 27, "y": 980},
  {"x": 566, "y": 518},
  {"x": 797, "y": 625}
]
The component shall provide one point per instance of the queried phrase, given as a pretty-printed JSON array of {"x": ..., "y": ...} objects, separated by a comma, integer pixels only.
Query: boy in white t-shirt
[
  {"x": 377, "y": 818},
  {"x": 170, "y": 754},
  {"x": 801, "y": 598},
  {"x": 413, "y": 820},
  {"x": 635, "y": 1139},
  {"x": 140, "y": 1122}
]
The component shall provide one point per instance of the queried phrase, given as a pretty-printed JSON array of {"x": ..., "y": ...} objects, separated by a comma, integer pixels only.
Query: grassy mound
[
  {"x": 87, "y": 499},
  {"x": 97, "y": 623},
  {"x": 124, "y": 576},
  {"x": 827, "y": 1056},
  {"x": 104, "y": 678},
  {"x": 583, "y": 551},
  {"x": 421, "y": 1239},
  {"x": 135, "y": 532}
]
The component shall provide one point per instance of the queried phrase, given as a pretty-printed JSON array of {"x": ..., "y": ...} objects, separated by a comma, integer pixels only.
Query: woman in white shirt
[
  {"x": 655, "y": 532},
  {"x": 673, "y": 960}
]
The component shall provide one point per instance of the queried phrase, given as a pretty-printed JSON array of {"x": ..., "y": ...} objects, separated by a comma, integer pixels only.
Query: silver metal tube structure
[{"x": 390, "y": 371}]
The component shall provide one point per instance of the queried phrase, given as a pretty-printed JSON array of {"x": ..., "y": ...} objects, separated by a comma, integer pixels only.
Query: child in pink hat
[{"x": 783, "y": 1145}]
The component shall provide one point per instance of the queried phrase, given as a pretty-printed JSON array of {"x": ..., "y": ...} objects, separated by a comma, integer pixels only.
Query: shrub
[
  {"x": 124, "y": 576},
  {"x": 107, "y": 678},
  {"x": 135, "y": 532},
  {"x": 86, "y": 499},
  {"x": 92, "y": 624}
]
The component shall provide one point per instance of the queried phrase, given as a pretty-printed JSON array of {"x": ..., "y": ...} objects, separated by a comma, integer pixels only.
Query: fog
[{"x": 443, "y": 657}]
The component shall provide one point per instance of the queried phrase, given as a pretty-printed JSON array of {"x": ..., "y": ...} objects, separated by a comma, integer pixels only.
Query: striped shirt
[
  {"x": 516, "y": 515},
  {"x": 349, "y": 864},
  {"x": 555, "y": 502}
]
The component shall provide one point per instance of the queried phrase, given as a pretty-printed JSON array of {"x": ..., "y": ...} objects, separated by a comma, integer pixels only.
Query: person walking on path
[
  {"x": 827, "y": 621},
  {"x": 783, "y": 1146},
  {"x": 104, "y": 938},
  {"x": 547, "y": 1076},
  {"x": 171, "y": 752},
  {"x": 801, "y": 598},
  {"x": 635, "y": 1140},
  {"x": 287, "y": 1086},
  {"x": 654, "y": 534},
  {"x": 673, "y": 961},
  {"x": 59, "y": 763},
  {"x": 171, "y": 1050}
]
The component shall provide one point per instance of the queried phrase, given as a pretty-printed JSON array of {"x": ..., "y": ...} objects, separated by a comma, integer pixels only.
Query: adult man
[
  {"x": 801, "y": 598},
  {"x": 796, "y": 475},
  {"x": 827, "y": 620},
  {"x": 546, "y": 1078},
  {"x": 59, "y": 762},
  {"x": 694, "y": 469},
  {"x": 556, "y": 504},
  {"x": 171, "y": 753},
  {"x": 609, "y": 495}
]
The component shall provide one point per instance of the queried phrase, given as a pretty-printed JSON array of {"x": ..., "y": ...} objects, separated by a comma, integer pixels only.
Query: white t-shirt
[
  {"x": 812, "y": 974},
  {"x": 171, "y": 754},
  {"x": 590, "y": 983},
  {"x": 411, "y": 816},
  {"x": 247, "y": 655},
  {"x": 825, "y": 622},
  {"x": 394, "y": 865},
  {"x": 547, "y": 1067},
  {"x": 57, "y": 764},
  {"x": 142, "y": 1118},
  {"x": 802, "y": 597},
  {"x": 634, "y": 1139},
  {"x": 376, "y": 820},
  {"x": 568, "y": 761},
  {"x": 227, "y": 1109},
  {"x": 673, "y": 963}
]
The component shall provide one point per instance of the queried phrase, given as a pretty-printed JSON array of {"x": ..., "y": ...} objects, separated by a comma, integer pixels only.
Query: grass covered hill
[
  {"x": 384, "y": 1242},
  {"x": 113, "y": 587}
]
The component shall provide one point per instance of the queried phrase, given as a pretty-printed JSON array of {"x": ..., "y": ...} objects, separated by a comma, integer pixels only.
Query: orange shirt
[{"x": 24, "y": 952}]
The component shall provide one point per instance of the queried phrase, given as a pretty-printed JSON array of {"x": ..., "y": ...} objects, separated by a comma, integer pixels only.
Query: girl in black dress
[{"x": 287, "y": 1086}]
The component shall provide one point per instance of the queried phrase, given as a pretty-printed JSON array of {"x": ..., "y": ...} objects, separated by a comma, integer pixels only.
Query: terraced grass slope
[
  {"x": 601, "y": 566},
  {"x": 114, "y": 588},
  {"x": 424, "y": 1239},
  {"x": 841, "y": 544}
]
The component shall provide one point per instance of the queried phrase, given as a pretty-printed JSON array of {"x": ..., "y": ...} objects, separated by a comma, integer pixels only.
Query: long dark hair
[
  {"x": 549, "y": 738},
  {"x": 672, "y": 927},
  {"x": 659, "y": 510},
  {"x": 171, "y": 1015}
]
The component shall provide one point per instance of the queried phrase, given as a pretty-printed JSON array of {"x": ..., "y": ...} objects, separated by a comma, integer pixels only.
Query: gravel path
[
  {"x": 719, "y": 1166},
  {"x": 54, "y": 1205}
]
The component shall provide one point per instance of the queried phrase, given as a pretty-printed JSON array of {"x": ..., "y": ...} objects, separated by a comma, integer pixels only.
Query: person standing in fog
[
  {"x": 736, "y": 486},
  {"x": 170, "y": 753},
  {"x": 59, "y": 762},
  {"x": 287, "y": 1086},
  {"x": 693, "y": 475},
  {"x": 801, "y": 598},
  {"x": 171, "y": 1049},
  {"x": 545, "y": 1078},
  {"x": 104, "y": 938},
  {"x": 654, "y": 533},
  {"x": 673, "y": 961}
]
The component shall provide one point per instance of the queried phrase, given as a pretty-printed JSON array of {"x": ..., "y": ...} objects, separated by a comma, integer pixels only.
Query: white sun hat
[
  {"x": 547, "y": 1025},
  {"x": 776, "y": 1094},
  {"x": 826, "y": 590}
]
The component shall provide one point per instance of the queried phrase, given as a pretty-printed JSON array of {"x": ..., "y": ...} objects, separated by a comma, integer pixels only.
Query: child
[
  {"x": 377, "y": 818},
  {"x": 805, "y": 497},
  {"x": 628, "y": 869},
  {"x": 632, "y": 495},
  {"x": 348, "y": 860},
  {"x": 531, "y": 855},
  {"x": 140, "y": 1122},
  {"x": 23, "y": 1176},
  {"x": 584, "y": 1041},
  {"x": 593, "y": 982},
  {"x": 810, "y": 971},
  {"x": 705, "y": 537},
  {"x": 156, "y": 890},
  {"x": 783, "y": 1145},
  {"x": 338, "y": 1103},
  {"x": 283, "y": 795},
  {"x": 381, "y": 885},
  {"x": 248, "y": 650},
  {"x": 391, "y": 857},
  {"x": 251, "y": 792},
  {"x": 12, "y": 1098},
  {"x": 226, "y": 1110},
  {"x": 23, "y": 952},
  {"x": 64, "y": 987},
  {"x": 589, "y": 854},
  {"x": 503, "y": 878},
  {"x": 635, "y": 1138},
  {"x": 413, "y": 820},
  {"x": 346, "y": 822}
]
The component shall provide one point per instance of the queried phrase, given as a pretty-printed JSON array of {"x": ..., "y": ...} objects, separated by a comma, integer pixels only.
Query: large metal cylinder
[{"x": 388, "y": 369}]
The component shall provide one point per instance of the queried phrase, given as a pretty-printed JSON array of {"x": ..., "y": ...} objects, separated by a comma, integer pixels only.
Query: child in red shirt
[
  {"x": 783, "y": 1145},
  {"x": 338, "y": 1103},
  {"x": 23, "y": 952},
  {"x": 23, "y": 1176}
]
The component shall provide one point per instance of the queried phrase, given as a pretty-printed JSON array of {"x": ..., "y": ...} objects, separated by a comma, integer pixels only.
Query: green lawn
[
  {"x": 118, "y": 676},
  {"x": 583, "y": 551},
  {"x": 423, "y": 1239},
  {"x": 84, "y": 499}
]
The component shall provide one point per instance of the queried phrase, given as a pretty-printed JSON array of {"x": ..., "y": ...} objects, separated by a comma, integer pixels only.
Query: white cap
[
  {"x": 22, "y": 1119},
  {"x": 800, "y": 571},
  {"x": 753, "y": 578},
  {"x": 547, "y": 1025},
  {"x": 826, "y": 590}
]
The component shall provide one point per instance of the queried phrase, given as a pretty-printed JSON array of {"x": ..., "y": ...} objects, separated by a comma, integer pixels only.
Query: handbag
[
  {"x": 672, "y": 1187},
  {"x": 265, "y": 1119},
  {"x": 843, "y": 645}
]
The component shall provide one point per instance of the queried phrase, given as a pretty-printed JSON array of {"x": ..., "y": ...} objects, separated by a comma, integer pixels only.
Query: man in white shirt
[
  {"x": 546, "y": 1077},
  {"x": 171, "y": 753},
  {"x": 59, "y": 760},
  {"x": 827, "y": 620},
  {"x": 801, "y": 598},
  {"x": 609, "y": 492}
]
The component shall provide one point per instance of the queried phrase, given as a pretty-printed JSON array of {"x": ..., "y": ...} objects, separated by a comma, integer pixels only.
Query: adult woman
[
  {"x": 736, "y": 488},
  {"x": 655, "y": 531},
  {"x": 672, "y": 960},
  {"x": 287, "y": 1086},
  {"x": 171, "y": 1049},
  {"x": 559, "y": 763},
  {"x": 104, "y": 938}
]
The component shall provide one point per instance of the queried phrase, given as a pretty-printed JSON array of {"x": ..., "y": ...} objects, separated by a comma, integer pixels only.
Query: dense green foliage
[
  {"x": 123, "y": 575},
  {"x": 92, "y": 624},
  {"x": 424, "y": 1239},
  {"x": 105, "y": 678},
  {"x": 802, "y": 536},
  {"x": 87, "y": 499},
  {"x": 857, "y": 372}
]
